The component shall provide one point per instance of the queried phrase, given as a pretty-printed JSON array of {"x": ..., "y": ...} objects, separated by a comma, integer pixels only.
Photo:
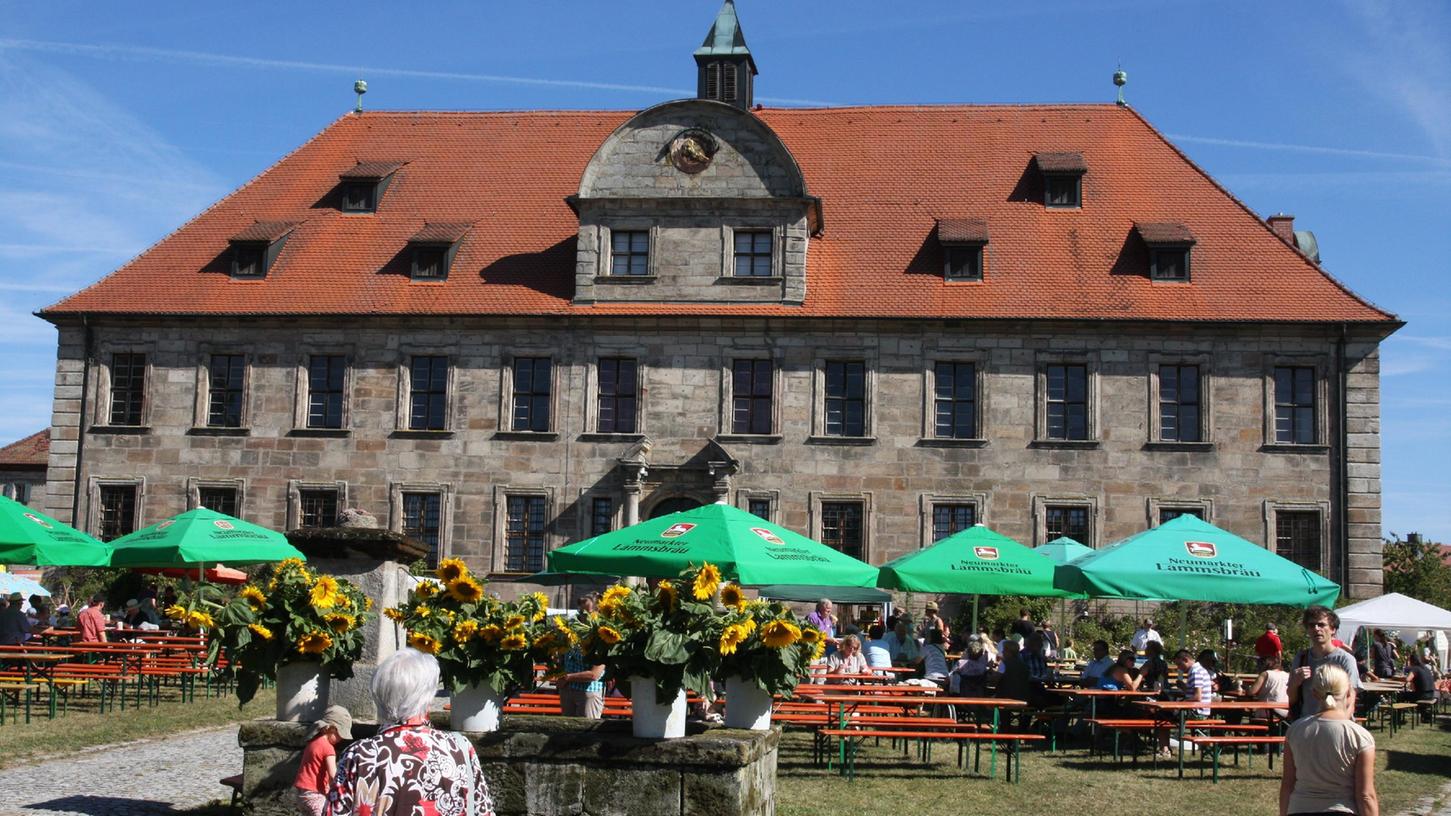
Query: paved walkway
[{"x": 142, "y": 778}]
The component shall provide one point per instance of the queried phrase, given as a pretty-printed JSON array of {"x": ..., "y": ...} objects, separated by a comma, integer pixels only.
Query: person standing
[
  {"x": 581, "y": 687},
  {"x": 1023, "y": 626},
  {"x": 1272, "y": 686},
  {"x": 825, "y": 621},
  {"x": 1320, "y": 623},
  {"x": 320, "y": 760},
  {"x": 1329, "y": 758},
  {"x": 92, "y": 621},
  {"x": 1382, "y": 654},
  {"x": 1268, "y": 644},
  {"x": 931, "y": 620},
  {"x": 1144, "y": 635}
]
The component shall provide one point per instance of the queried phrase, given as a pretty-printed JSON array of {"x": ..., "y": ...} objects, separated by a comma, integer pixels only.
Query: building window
[
  {"x": 616, "y": 396},
  {"x": 1063, "y": 190},
  {"x": 118, "y": 511},
  {"x": 950, "y": 519},
  {"x": 524, "y": 534},
  {"x": 1297, "y": 537},
  {"x": 1180, "y": 417},
  {"x": 841, "y": 527},
  {"x": 751, "y": 395},
  {"x": 218, "y": 499},
  {"x": 128, "y": 387},
  {"x": 1169, "y": 263},
  {"x": 421, "y": 521},
  {"x": 428, "y": 393},
  {"x": 1295, "y": 405},
  {"x": 846, "y": 398},
  {"x": 532, "y": 380},
  {"x": 19, "y": 491},
  {"x": 359, "y": 196},
  {"x": 963, "y": 262},
  {"x": 753, "y": 254},
  {"x": 326, "y": 375},
  {"x": 1067, "y": 404},
  {"x": 630, "y": 252},
  {"x": 955, "y": 400},
  {"x": 1168, "y": 514},
  {"x": 601, "y": 515},
  {"x": 430, "y": 262},
  {"x": 1070, "y": 521},
  {"x": 760, "y": 508},
  {"x": 226, "y": 383},
  {"x": 249, "y": 259},
  {"x": 317, "y": 508}
]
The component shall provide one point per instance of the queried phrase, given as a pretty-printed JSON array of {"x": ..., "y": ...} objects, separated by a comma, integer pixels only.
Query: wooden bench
[
  {"x": 1393, "y": 712},
  {"x": 1209, "y": 747},
  {"x": 852, "y": 736},
  {"x": 14, "y": 689},
  {"x": 235, "y": 783}
]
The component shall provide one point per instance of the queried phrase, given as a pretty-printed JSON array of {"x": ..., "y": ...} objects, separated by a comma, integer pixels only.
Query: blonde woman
[{"x": 1329, "y": 759}]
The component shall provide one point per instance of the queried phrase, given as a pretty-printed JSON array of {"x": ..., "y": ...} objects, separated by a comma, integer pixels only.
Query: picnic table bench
[
  {"x": 851, "y": 738},
  {"x": 1210, "y": 747}
]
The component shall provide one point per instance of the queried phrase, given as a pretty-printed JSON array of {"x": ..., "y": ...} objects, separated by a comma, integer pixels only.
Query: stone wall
[{"x": 553, "y": 766}]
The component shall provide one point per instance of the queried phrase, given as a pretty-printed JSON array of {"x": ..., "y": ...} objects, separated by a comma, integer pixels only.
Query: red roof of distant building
[
  {"x": 31, "y": 452},
  {"x": 886, "y": 176}
]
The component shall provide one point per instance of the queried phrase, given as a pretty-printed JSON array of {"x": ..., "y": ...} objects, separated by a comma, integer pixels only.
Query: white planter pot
[
  {"x": 475, "y": 708},
  {"x": 746, "y": 705},
  {"x": 652, "y": 720},
  {"x": 302, "y": 689}
]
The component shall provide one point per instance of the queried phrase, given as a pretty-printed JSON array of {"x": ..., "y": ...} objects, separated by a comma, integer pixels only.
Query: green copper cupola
[{"x": 726, "y": 70}]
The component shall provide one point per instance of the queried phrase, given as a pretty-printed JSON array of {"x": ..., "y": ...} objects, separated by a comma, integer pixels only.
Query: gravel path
[{"x": 141, "y": 778}]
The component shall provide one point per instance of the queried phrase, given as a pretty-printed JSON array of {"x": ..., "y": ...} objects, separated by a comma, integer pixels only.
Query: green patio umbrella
[
  {"x": 30, "y": 537},
  {"x": 976, "y": 561},
  {"x": 1063, "y": 550},
  {"x": 1187, "y": 559},
  {"x": 810, "y": 593},
  {"x": 199, "y": 537},
  {"x": 746, "y": 548}
]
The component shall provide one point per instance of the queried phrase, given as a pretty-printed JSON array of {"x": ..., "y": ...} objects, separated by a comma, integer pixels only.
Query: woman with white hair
[
  {"x": 409, "y": 767},
  {"x": 1329, "y": 759}
]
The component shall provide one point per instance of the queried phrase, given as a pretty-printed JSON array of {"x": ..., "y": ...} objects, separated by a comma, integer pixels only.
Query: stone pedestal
[{"x": 552, "y": 766}]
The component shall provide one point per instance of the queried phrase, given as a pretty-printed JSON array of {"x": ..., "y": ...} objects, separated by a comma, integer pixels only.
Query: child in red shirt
[{"x": 320, "y": 760}]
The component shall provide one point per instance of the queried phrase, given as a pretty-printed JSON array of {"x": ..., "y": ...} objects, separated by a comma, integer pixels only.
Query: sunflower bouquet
[
  {"x": 669, "y": 633},
  {"x": 300, "y": 616},
  {"x": 762, "y": 642},
  {"x": 477, "y": 638}
]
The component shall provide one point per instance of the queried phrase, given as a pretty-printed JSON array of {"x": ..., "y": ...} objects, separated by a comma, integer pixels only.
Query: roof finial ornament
[
  {"x": 1121, "y": 78},
  {"x": 360, "y": 87}
]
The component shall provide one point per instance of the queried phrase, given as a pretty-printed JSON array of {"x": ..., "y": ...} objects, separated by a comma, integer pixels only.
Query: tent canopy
[
  {"x": 1063, "y": 550},
  {"x": 809, "y": 593},
  {"x": 1391, "y": 611},
  {"x": 201, "y": 536},
  {"x": 974, "y": 561}
]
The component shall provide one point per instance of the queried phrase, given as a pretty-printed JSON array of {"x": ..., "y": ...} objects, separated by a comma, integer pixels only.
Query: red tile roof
[
  {"x": 370, "y": 170},
  {"x": 31, "y": 452},
  {"x": 966, "y": 230},
  {"x": 440, "y": 233},
  {"x": 1165, "y": 232},
  {"x": 1063, "y": 162},
  {"x": 265, "y": 231},
  {"x": 885, "y": 176}
]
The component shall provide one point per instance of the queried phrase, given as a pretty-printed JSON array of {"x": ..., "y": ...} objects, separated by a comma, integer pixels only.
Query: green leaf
[{"x": 666, "y": 647}]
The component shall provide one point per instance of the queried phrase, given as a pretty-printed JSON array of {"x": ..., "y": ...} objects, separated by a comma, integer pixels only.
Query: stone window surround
[
  {"x": 847, "y": 354},
  {"x": 584, "y": 510},
  {"x": 929, "y": 396},
  {"x": 405, "y": 388},
  {"x": 444, "y": 491},
  {"x": 926, "y": 501},
  {"x": 744, "y": 496},
  {"x": 498, "y": 557},
  {"x": 101, "y": 405},
  {"x": 301, "y": 390},
  {"x": 623, "y": 349},
  {"x": 1272, "y": 507},
  {"x": 1206, "y": 398},
  {"x": 1041, "y": 502},
  {"x": 201, "y": 405},
  {"x": 605, "y": 268},
  {"x": 1322, "y": 367},
  {"x": 93, "y": 499},
  {"x": 195, "y": 485},
  {"x": 294, "y": 497},
  {"x": 816, "y": 498},
  {"x": 726, "y": 414},
  {"x": 1040, "y": 398},
  {"x": 506, "y": 393},
  {"x": 728, "y": 249},
  {"x": 1154, "y": 504}
]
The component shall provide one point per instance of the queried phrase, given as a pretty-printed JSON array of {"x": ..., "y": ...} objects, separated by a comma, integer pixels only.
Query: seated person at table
[
  {"x": 132, "y": 618},
  {"x": 848, "y": 659},
  {"x": 1068, "y": 654},
  {"x": 14, "y": 626},
  {"x": 906, "y": 651},
  {"x": 1098, "y": 665},
  {"x": 1154, "y": 674},
  {"x": 1197, "y": 688},
  {"x": 969, "y": 676},
  {"x": 999, "y": 640},
  {"x": 934, "y": 658},
  {"x": 1032, "y": 656},
  {"x": 877, "y": 649},
  {"x": 1015, "y": 684},
  {"x": 1420, "y": 680},
  {"x": 92, "y": 621},
  {"x": 149, "y": 616},
  {"x": 1118, "y": 678},
  {"x": 1272, "y": 686}
]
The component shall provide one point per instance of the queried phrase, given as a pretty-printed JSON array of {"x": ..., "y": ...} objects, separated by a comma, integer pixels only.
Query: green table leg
[
  {"x": 993, "y": 745},
  {"x": 1183, "y": 715}
]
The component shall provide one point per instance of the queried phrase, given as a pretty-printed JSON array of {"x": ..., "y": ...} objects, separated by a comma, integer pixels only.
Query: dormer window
[
  {"x": 255, "y": 248},
  {"x": 432, "y": 250},
  {"x": 1170, "y": 246},
  {"x": 1062, "y": 179},
  {"x": 362, "y": 186},
  {"x": 964, "y": 241},
  {"x": 629, "y": 253}
]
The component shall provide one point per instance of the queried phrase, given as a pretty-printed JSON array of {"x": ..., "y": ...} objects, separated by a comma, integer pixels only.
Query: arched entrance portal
[{"x": 674, "y": 504}]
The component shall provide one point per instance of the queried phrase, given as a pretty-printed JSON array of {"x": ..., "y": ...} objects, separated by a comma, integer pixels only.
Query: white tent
[{"x": 1399, "y": 612}]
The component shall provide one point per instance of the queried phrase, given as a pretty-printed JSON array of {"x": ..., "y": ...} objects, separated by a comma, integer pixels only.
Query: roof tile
[
  {"x": 365, "y": 170},
  {"x": 961, "y": 230},
  {"x": 1165, "y": 232},
  {"x": 1061, "y": 162},
  {"x": 268, "y": 231},
  {"x": 440, "y": 233},
  {"x": 32, "y": 451}
]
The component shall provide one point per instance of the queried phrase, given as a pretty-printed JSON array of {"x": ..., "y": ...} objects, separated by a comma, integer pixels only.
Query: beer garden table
[{"x": 1179, "y": 709}]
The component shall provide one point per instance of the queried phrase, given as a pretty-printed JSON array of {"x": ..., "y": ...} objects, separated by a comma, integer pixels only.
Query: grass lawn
[
  {"x": 83, "y": 727},
  {"x": 1409, "y": 768}
]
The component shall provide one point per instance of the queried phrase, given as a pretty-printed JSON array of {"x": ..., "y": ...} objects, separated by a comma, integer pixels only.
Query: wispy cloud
[
  {"x": 1323, "y": 150},
  {"x": 1413, "y": 354},
  {"x": 172, "y": 55},
  {"x": 1400, "y": 55}
]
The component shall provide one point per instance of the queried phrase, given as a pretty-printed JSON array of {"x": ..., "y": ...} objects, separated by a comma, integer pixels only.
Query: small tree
[{"x": 1416, "y": 568}]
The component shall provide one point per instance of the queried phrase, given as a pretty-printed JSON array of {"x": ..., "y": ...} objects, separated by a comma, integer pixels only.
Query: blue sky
[{"x": 120, "y": 120}]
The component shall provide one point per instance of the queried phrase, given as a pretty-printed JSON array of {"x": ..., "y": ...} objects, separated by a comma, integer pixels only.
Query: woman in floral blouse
[{"x": 409, "y": 768}]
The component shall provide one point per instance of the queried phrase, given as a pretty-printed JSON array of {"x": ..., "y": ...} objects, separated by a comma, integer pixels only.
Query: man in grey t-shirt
[{"x": 1320, "y": 624}]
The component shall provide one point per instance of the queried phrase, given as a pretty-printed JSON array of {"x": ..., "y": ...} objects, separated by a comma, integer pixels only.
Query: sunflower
[
  {"x": 340, "y": 623},
  {"x": 199, "y": 620},
  {"x": 325, "y": 592},
  {"x": 513, "y": 621},
  {"x": 367, "y": 604},
  {"x": 393, "y": 614},
  {"x": 819, "y": 650},
  {"x": 465, "y": 590},
  {"x": 750, "y": 624},
  {"x": 732, "y": 637},
  {"x": 260, "y": 631},
  {"x": 616, "y": 593},
  {"x": 425, "y": 590},
  {"x": 465, "y": 629},
  {"x": 810, "y": 635},
  {"x": 609, "y": 609},
  {"x": 668, "y": 595},
  {"x": 176, "y": 612},
  {"x": 314, "y": 643},
  {"x": 514, "y": 642},
  {"x": 732, "y": 596},
  {"x": 780, "y": 633},
  {"x": 541, "y": 603},
  {"x": 451, "y": 569},
  {"x": 609, "y": 635},
  {"x": 491, "y": 632},
  {"x": 423, "y": 610},
  {"x": 424, "y": 643},
  {"x": 253, "y": 597},
  {"x": 707, "y": 581}
]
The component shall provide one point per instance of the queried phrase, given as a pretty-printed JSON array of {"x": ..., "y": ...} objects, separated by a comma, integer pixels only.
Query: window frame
[
  {"x": 1272, "y": 510},
  {"x": 594, "y": 414},
  {"x": 262, "y": 250},
  {"x": 817, "y": 502},
  {"x": 1154, "y": 424},
  {"x": 772, "y": 498},
  {"x": 929, "y": 398},
  {"x": 649, "y": 252},
  {"x": 507, "y": 393},
  {"x": 194, "y": 487},
  {"x": 1318, "y": 408},
  {"x": 1049, "y": 178},
  {"x": 499, "y": 562},
  {"x": 585, "y": 511},
  {"x": 105, "y": 407},
  {"x": 820, "y": 397},
  {"x": 772, "y": 410},
  {"x": 1154, "y": 507},
  {"x": 926, "y": 511},
  {"x": 95, "y": 511},
  {"x": 1091, "y": 397},
  {"x": 772, "y": 256},
  {"x": 1158, "y": 250},
  {"x": 398, "y": 493},
  {"x": 370, "y": 185},
  {"x": 406, "y": 391},
  {"x": 295, "y": 489},
  {"x": 446, "y": 252},
  {"x": 977, "y": 251},
  {"x": 302, "y": 414},
  {"x": 1092, "y": 504},
  {"x": 243, "y": 390}
]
